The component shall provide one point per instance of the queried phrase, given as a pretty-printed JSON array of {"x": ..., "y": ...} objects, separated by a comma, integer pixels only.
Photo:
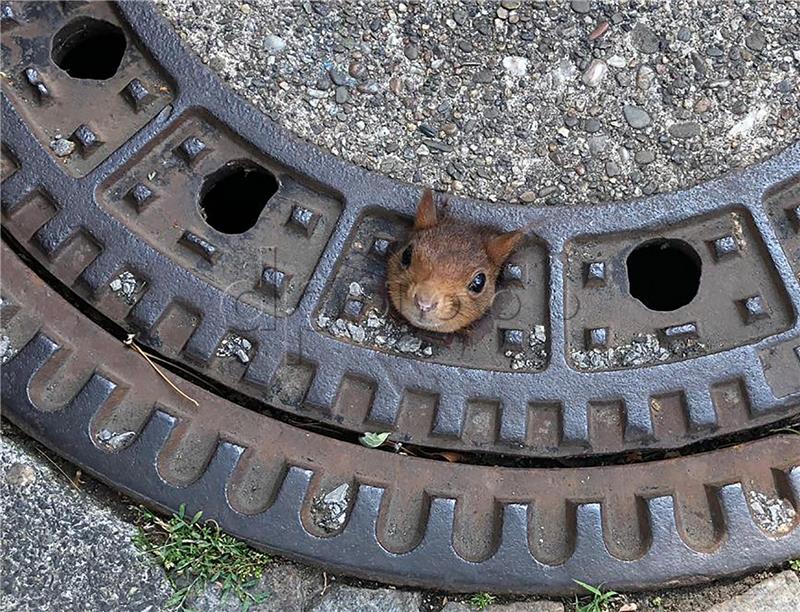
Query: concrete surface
[
  {"x": 781, "y": 592},
  {"x": 539, "y": 102}
]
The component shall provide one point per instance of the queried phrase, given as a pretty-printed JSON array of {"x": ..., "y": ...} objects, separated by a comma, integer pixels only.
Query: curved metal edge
[
  {"x": 559, "y": 383},
  {"x": 434, "y": 561}
]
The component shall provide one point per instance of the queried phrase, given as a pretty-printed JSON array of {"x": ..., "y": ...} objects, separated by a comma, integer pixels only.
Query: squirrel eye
[
  {"x": 477, "y": 284},
  {"x": 405, "y": 258}
]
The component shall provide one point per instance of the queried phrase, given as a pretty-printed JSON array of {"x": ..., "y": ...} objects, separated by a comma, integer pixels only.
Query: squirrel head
[{"x": 443, "y": 278}]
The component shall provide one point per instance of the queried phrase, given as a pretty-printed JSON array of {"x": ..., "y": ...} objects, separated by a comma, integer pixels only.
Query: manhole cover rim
[{"x": 456, "y": 385}]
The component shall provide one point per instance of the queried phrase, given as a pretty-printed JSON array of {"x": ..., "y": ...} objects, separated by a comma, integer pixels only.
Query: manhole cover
[{"x": 614, "y": 419}]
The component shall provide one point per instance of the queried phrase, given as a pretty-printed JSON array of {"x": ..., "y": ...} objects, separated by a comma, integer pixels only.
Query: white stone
[
  {"x": 595, "y": 73},
  {"x": 617, "y": 61},
  {"x": 753, "y": 118},
  {"x": 409, "y": 344},
  {"x": 515, "y": 66},
  {"x": 274, "y": 43}
]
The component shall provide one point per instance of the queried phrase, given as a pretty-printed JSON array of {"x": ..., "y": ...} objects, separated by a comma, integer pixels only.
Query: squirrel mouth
[{"x": 424, "y": 320}]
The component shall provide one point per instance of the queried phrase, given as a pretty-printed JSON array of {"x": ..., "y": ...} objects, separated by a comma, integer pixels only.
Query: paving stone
[
  {"x": 62, "y": 549},
  {"x": 780, "y": 593},
  {"x": 518, "y": 606},
  {"x": 289, "y": 588},
  {"x": 341, "y": 598},
  {"x": 527, "y": 606}
]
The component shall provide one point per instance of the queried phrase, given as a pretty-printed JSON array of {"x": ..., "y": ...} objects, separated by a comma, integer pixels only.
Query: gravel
[
  {"x": 375, "y": 329},
  {"x": 521, "y": 606},
  {"x": 644, "y": 349},
  {"x": 62, "y": 147},
  {"x": 774, "y": 515},
  {"x": 7, "y": 350},
  {"x": 235, "y": 346},
  {"x": 126, "y": 286},
  {"x": 329, "y": 511},
  {"x": 703, "y": 87}
]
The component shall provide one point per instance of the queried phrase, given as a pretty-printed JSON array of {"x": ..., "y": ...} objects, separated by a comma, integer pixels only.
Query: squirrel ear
[
  {"x": 426, "y": 212},
  {"x": 500, "y": 247}
]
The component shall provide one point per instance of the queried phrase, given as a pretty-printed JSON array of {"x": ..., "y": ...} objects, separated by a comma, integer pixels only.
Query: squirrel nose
[{"x": 425, "y": 304}]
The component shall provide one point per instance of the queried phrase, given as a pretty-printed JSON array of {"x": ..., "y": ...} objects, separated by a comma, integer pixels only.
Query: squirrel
[{"x": 443, "y": 279}]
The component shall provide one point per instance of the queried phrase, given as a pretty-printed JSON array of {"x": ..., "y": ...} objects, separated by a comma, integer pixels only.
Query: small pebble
[
  {"x": 483, "y": 76},
  {"x": 684, "y": 130},
  {"x": 411, "y": 52},
  {"x": 617, "y": 61},
  {"x": 342, "y": 95},
  {"x": 756, "y": 40},
  {"x": 595, "y": 73},
  {"x": 644, "y": 39},
  {"x": 612, "y": 169},
  {"x": 580, "y": 6},
  {"x": 20, "y": 475},
  {"x": 62, "y": 147},
  {"x": 636, "y": 117},
  {"x": 515, "y": 66},
  {"x": 274, "y": 43},
  {"x": 593, "y": 125},
  {"x": 601, "y": 29}
]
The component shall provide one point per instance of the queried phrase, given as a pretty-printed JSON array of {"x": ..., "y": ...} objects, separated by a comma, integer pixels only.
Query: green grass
[
  {"x": 480, "y": 600},
  {"x": 196, "y": 554},
  {"x": 600, "y": 599},
  {"x": 794, "y": 564}
]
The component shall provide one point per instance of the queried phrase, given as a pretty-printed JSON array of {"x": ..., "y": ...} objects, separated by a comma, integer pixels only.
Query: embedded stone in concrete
[
  {"x": 780, "y": 592},
  {"x": 369, "y": 600}
]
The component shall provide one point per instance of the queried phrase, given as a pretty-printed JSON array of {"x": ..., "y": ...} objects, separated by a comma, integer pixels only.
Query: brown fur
[{"x": 446, "y": 256}]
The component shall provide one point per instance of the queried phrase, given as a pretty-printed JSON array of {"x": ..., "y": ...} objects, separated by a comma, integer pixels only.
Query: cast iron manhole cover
[{"x": 616, "y": 418}]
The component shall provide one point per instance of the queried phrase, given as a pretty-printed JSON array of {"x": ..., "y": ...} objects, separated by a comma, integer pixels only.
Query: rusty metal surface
[
  {"x": 95, "y": 115},
  {"x": 287, "y": 310},
  {"x": 271, "y": 289},
  {"x": 407, "y": 520}
]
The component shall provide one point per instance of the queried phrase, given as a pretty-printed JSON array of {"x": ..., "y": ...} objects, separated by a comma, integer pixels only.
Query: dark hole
[
  {"x": 234, "y": 196},
  {"x": 664, "y": 274},
  {"x": 88, "y": 48}
]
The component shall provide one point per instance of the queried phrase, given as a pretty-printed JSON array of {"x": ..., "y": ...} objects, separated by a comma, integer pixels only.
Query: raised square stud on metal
[
  {"x": 512, "y": 273},
  {"x": 273, "y": 281},
  {"x": 192, "y": 150},
  {"x": 199, "y": 245},
  {"x": 35, "y": 80},
  {"x": 304, "y": 219},
  {"x": 86, "y": 139},
  {"x": 514, "y": 339},
  {"x": 381, "y": 247},
  {"x": 595, "y": 274},
  {"x": 753, "y": 309},
  {"x": 597, "y": 338},
  {"x": 681, "y": 332},
  {"x": 353, "y": 309},
  {"x": 725, "y": 247},
  {"x": 140, "y": 195},
  {"x": 137, "y": 95}
]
